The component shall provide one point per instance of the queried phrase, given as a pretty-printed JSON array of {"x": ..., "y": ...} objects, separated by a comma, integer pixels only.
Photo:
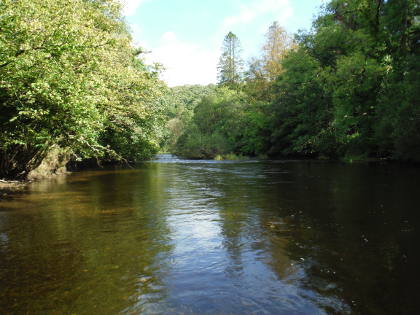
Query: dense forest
[
  {"x": 346, "y": 89},
  {"x": 73, "y": 87}
]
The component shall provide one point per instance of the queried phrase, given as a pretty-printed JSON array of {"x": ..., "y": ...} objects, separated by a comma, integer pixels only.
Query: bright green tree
[{"x": 68, "y": 76}]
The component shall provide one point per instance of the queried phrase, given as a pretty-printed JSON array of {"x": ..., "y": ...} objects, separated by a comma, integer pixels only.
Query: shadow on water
[
  {"x": 206, "y": 237},
  {"x": 95, "y": 242}
]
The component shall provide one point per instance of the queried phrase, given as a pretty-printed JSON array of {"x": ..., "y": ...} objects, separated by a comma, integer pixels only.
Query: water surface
[{"x": 206, "y": 237}]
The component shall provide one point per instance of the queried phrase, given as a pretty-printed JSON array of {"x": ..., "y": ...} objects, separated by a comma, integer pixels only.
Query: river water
[{"x": 214, "y": 237}]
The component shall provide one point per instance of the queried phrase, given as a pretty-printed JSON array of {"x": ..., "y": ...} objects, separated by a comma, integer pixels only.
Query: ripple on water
[{"x": 213, "y": 237}]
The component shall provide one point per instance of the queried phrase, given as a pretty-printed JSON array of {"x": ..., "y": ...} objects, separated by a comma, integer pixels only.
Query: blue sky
[{"x": 186, "y": 35}]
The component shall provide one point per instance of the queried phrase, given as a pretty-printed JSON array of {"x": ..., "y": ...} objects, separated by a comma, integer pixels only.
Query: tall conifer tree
[{"x": 230, "y": 62}]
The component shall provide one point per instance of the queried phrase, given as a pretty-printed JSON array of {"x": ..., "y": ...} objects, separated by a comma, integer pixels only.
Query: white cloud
[
  {"x": 281, "y": 9},
  {"x": 130, "y": 6},
  {"x": 189, "y": 63},
  {"x": 185, "y": 62}
]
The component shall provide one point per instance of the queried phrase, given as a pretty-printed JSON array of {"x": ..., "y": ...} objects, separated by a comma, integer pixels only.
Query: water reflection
[
  {"x": 84, "y": 246},
  {"x": 205, "y": 237}
]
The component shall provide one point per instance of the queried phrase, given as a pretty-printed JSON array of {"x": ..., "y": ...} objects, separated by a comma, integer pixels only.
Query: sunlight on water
[{"x": 207, "y": 237}]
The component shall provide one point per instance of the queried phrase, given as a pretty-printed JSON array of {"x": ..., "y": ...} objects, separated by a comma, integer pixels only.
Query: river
[{"x": 214, "y": 237}]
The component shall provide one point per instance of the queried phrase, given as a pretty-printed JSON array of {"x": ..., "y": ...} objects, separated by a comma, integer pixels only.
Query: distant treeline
[{"x": 348, "y": 89}]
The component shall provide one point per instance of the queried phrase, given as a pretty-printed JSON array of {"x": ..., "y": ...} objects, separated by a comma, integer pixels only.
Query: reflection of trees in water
[
  {"x": 235, "y": 211},
  {"x": 348, "y": 230},
  {"x": 255, "y": 236},
  {"x": 97, "y": 245},
  {"x": 332, "y": 229},
  {"x": 101, "y": 243}
]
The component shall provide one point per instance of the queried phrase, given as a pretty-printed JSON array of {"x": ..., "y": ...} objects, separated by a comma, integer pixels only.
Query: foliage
[
  {"x": 262, "y": 72},
  {"x": 230, "y": 63},
  {"x": 224, "y": 123},
  {"x": 301, "y": 110},
  {"x": 70, "y": 78},
  {"x": 179, "y": 103},
  {"x": 277, "y": 46},
  {"x": 350, "y": 89}
]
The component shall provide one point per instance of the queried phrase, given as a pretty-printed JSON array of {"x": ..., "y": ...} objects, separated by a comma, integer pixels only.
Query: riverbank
[
  {"x": 345, "y": 160},
  {"x": 12, "y": 183},
  {"x": 9, "y": 187}
]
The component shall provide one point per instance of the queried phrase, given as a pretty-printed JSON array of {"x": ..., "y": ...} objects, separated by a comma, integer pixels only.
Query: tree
[
  {"x": 263, "y": 71},
  {"x": 350, "y": 90},
  {"x": 301, "y": 109},
  {"x": 77, "y": 86},
  {"x": 278, "y": 44},
  {"x": 230, "y": 62},
  {"x": 256, "y": 84},
  {"x": 180, "y": 102}
]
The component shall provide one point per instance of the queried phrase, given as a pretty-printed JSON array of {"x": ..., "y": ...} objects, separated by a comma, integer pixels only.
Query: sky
[{"x": 186, "y": 35}]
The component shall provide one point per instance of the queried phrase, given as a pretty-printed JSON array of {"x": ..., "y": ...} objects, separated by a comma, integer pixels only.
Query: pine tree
[{"x": 230, "y": 62}]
